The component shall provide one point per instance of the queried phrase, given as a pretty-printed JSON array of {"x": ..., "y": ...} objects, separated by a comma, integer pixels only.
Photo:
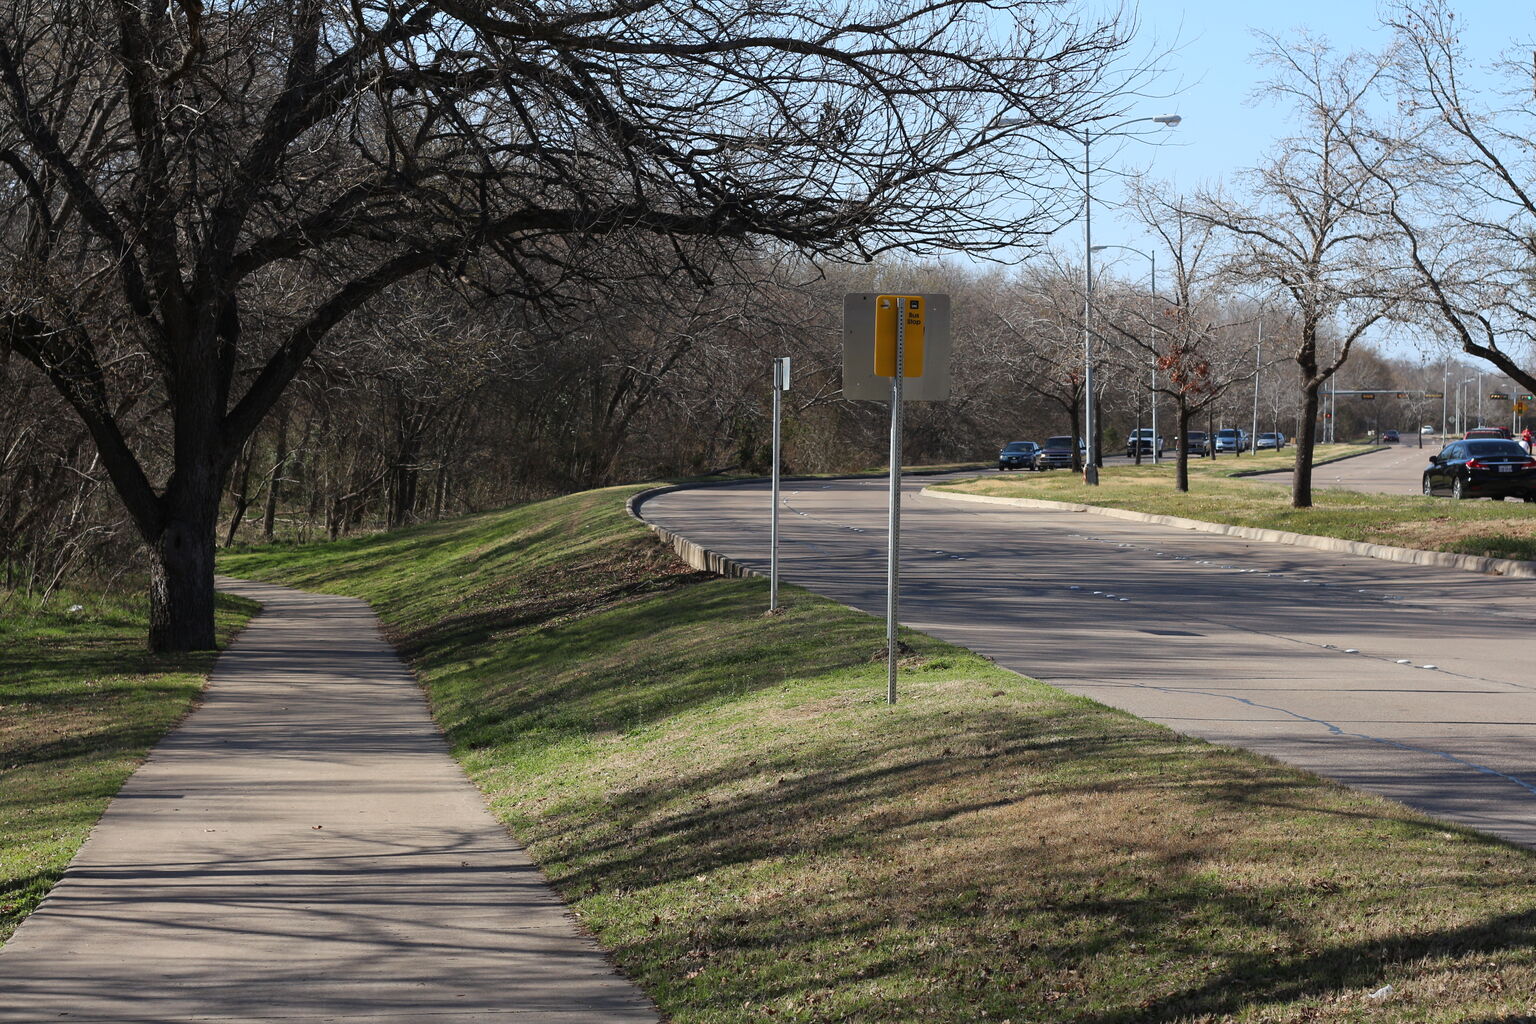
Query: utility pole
[
  {"x": 780, "y": 385},
  {"x": 1257, "y": 349}
]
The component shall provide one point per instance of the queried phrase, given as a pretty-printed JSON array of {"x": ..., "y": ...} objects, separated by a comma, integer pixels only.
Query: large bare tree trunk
[
  {"x": 1306, "y": 440},
  {"x": 181, "y": 578},
  {"x": 274, "y": 485},
  {"x": 1181, "y": 477},
  {"x": 240, "y": 494}
]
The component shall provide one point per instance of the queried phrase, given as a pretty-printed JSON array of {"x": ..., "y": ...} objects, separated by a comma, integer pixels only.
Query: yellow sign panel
[{"x": 888, "y": 308}]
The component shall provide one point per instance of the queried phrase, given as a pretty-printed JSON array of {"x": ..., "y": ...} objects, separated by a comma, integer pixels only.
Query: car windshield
[
  {"x": 1058, "y": 442},
  {"x": 1019, "y": 446},
  {"x": 1481, "y": 448},
  {"x": 1226, "y": 433},
  {"x": 1197, "y": 435}
]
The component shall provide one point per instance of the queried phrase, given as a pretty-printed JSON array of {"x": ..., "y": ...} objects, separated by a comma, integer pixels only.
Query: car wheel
[
  {"x": 1458, "y": 489},
  {"x": 1429, "y": 490}
]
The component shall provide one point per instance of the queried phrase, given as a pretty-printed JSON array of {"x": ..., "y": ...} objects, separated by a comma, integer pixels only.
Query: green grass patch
[
  {"x": 81, "y": 703},
  {"x": 725, "y": 799},
  {"x": 1497, "y": 529}
]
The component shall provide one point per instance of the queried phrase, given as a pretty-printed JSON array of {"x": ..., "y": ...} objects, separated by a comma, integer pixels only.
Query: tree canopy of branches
[
  {"x": 1309, "y": 224},
  {"x": 1185, "y": 331},
  {"x": 196, "y": 193},
  {"x": 1460, "y": 168}
]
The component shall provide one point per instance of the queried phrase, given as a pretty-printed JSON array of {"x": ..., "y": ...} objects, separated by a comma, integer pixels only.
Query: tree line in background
[
  {"x": 285, "y": 271},
  {"x": 432, "y": 406}
]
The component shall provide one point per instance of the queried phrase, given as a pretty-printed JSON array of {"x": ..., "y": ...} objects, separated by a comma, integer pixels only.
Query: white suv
[{"x": 1146, "y": 440}]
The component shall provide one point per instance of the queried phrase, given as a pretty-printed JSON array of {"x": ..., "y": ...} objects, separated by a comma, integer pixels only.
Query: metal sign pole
[
  {"x": 780, "y": 384},
  {"x": 893, "y": 530}
]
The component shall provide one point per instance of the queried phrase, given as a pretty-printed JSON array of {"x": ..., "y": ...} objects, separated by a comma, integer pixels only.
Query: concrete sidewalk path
[{"x": 303, "y": 848}]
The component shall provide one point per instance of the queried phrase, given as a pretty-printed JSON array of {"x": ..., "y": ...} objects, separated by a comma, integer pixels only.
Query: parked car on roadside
[
  {"x": 1145, "y": 439},
  {"x": 1271, "y": 441},
  {"x": 1017, "y": 455},
  {"x": 1482, "y": 468},
  {"x": 1229, "y": 439},
  {"x": 1057, "y": 452},
  {"x": 1198, "y": 443}
]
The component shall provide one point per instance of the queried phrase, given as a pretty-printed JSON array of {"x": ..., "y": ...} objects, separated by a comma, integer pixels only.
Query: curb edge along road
[
  {"x": 702, "y": 558},
  {"x": 1510, "y": 567}
]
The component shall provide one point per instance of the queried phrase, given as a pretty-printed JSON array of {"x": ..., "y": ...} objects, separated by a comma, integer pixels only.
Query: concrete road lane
[
  {"x": 1408, "y": 681},
  {"x": 1395, "y": 470}
]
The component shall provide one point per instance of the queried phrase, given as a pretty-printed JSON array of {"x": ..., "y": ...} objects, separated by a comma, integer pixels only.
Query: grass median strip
[
  {"x": 81, "y": 703},
  {"x": 724, "y": 798},
  {"x": 1495, "y": 529}
]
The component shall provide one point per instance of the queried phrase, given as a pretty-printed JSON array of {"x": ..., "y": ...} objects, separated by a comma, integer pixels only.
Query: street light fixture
[{"x": 1091, "y": 469}]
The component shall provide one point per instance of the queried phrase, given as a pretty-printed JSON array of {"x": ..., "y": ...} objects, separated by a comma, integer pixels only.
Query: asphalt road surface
[
  {"x": 1412, "y": 682},
  {"x": 1395, "y": 470}
]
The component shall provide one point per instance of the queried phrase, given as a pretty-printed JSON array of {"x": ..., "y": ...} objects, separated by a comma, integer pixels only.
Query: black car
[
  {"x": 1017, "y": 455},
  {"x": 1482, "y": 468},
  {"x": 1056, "y": 453},
  {"x": 1390, "y": 437}
]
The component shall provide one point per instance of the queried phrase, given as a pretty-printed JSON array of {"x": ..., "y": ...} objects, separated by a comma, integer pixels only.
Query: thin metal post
[
  {"x": 1090, "y": 466},
  {"x": 773, "y": 522},
  {"x": 1334, "y": 407},
  {"x": 893, "y": 528},
  {"x": 1257, "y": 349},
  {"x": 1152, "y": 257}
]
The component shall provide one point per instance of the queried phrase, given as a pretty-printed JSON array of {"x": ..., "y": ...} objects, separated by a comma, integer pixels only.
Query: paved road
[
  {"x": 1395, "y": 470},
  {"x": 1316, "y": 658},
  {"x": 303, "y": 848}
]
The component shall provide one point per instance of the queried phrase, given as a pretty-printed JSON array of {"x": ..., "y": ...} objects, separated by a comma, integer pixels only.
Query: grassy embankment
[
  {"x": 1497, "y": 529},
  {"x": 725, "y": 799},
  {"x": 81, "y": 703}
]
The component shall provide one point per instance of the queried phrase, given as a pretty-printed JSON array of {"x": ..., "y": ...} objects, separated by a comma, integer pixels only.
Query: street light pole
[
  {"x": 1091, "y": 470},
  {"x": 1257, "y": 349},
  {"x": 1090, "y": 467},
  {"x": 1445, "y": 385},
  {"x": 1151, "y": 257},
  {"x": 1156, "y": 444}
]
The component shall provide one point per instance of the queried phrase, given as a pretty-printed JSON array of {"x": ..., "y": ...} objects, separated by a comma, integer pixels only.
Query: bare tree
[
  {"x": 1308, "y": 222},
  {"x": 1459, "y": 168},
  {"x": 214, "y": 189},
  {"x": 1185, "y": 330},
  {"x": 1043, "y": 327}
]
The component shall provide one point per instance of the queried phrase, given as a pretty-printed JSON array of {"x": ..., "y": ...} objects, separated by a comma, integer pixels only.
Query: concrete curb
[
  {"x": 696, "y": 555},
  {"x": 1510, "y": 567},
  {"x": 706, "y": 560}
]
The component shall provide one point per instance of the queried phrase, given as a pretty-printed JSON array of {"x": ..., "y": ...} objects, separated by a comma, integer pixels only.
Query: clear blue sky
[{"x": 1222, "y": 130}]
